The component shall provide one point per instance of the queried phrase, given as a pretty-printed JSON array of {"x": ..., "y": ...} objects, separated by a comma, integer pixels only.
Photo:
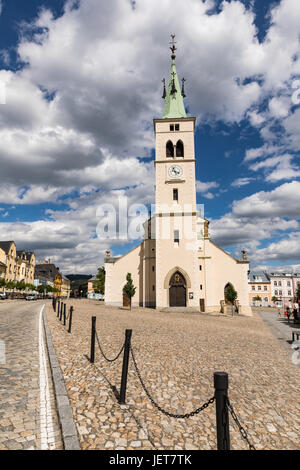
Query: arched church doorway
[{"x": 177, "y": 290}]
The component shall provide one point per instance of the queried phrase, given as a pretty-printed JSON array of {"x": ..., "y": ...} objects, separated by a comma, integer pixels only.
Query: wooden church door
[{"x": 177, "y": 290}]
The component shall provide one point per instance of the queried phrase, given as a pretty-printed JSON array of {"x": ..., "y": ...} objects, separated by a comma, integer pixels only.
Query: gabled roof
[{"x": 6, "y": 245}]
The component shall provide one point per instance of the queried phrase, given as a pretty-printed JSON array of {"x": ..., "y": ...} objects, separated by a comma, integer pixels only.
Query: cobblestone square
[{"x": 177, "y": 355}]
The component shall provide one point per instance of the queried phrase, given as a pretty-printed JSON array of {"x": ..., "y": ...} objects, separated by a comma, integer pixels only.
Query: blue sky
[{"x": 83, "y": 83}]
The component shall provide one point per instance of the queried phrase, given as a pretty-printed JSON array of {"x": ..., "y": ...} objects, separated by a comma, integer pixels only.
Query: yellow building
[
  {"x": 25, "y": 267},
  {"x": 63, "y": 285},
  {"x": 9, "y": 259}
]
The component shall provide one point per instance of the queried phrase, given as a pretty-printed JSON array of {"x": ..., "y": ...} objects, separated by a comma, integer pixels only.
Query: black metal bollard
[
  {"x": 70, "y": 319},
  {"x": 122, "y": 397},
  {"x": 221, "y": 393},
  {"x": 61, "y": 311},
  {"x": 65, "y": 314},
  {"x": 93, "y": 337},
  {"x": 58, "y": 302}
]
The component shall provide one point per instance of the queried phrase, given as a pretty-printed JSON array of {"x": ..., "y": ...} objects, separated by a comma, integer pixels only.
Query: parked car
[
  {"x": 2, "y": 295},
  {"x": 31, "y": 297}
]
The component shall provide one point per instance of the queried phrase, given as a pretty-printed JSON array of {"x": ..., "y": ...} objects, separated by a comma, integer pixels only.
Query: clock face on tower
[{"x": 175, "y": 171}]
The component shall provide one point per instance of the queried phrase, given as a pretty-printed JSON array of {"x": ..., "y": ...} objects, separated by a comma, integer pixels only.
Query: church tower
[{"x": 175, "y": 199}]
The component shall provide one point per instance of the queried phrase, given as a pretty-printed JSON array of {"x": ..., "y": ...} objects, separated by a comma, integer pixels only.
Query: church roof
[{"x": 174, "y": 105}]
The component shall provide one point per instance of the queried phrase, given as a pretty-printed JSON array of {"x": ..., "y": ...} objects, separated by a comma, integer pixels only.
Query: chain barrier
[
  {"x": 171, "y": 415},
  {"x": 240, "y": 427},
  {"x": 106, "y": 358}
]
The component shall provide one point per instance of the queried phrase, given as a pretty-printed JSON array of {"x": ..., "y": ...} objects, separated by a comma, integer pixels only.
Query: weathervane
[{"x": 173, "y": 48}]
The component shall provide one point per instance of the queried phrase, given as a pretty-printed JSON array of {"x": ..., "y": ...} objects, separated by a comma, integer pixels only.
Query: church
[{"x": 177, "y": 265}]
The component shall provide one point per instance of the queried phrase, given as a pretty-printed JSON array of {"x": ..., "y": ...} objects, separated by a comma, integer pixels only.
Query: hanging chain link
[
  {"x": 101, "y": 350},
  {"x": 171, "y": 415},
  {"x": 240, "y": 427}
]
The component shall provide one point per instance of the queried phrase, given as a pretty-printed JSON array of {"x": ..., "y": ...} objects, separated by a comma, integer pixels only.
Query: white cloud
[
  {"x": 283, "y": 201},
  {"x": 239, "y": 182}
]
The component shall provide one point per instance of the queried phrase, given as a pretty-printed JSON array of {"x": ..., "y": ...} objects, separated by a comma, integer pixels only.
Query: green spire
[{"x": 174, "y": 106}]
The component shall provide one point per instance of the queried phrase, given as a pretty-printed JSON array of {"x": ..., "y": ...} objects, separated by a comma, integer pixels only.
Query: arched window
[
  {"x": 179, "y": 149},
  {"x": 169, "y": 149}
]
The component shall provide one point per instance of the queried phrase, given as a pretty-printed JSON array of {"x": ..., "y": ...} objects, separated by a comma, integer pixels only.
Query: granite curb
[{"x": 64, "y": 410}]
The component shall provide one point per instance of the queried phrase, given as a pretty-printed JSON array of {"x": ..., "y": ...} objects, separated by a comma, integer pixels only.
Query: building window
[
  {"x": 169, "y": 149},
  {"x": 176, "y": 236},
  {"x": 275, "y": 283},
  {"x": 200, "y": 286},
  {"x": 289, "y": 293},
  {"x": 171, "y": 127},
  {"x": 253, "y": 287},
  {"x": 175, "y": 194},
  {"x": 153, "y": 268},
  {"x": 280, "y": 292},
  {"x": 276, "y": 292},
  {"x": 176, "y": 127},
  {"x": 279, "y": 283},
  {"x": 200, "y": 267},
  {"x": 153, "y": 287},
  {"x": 265, "y": 288},
  {"x": 259, "y": 287},
  {"x": 288, "y": 283},
  {"x": 266, "y": 299},
  {"x": 179, "y": 149}
]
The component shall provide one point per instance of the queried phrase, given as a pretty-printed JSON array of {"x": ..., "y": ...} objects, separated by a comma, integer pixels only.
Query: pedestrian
[
  {"x": 279, "y": 312},
  {"x": 295, "y": 313}
]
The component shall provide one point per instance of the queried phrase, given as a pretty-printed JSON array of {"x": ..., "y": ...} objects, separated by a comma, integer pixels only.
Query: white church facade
[{"x": 177, "y": 264}]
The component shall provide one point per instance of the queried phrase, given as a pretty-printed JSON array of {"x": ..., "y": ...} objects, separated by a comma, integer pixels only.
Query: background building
[
  {"x": 16, "y": 266},
  {"x": 260, "y": 286},
  {"x": 46, "y": 273}
]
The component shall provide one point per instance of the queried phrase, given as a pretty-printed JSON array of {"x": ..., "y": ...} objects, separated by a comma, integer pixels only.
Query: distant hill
[{"x": 79, "y": 277}]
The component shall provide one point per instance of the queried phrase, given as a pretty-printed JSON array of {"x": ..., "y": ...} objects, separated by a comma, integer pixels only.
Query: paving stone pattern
[
  {"x": 20, "y": 423},
  {"x": 177, "y": 355}
]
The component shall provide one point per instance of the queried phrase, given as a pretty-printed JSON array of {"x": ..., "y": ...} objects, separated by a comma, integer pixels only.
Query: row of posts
[
  {"x": 220, "y": 385},
  {"x": 60, "y": 308}
]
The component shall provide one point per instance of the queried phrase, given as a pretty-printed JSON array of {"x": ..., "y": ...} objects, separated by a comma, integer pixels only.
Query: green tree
[
  {"x": 230, "y": 294},
  {"x": 129, "y": 288},
  {"x": 257, "y": 298},
  {"x": 274, "y": 299},
  {"x": 10, "y": 285},
  {"x": 20, "y": 286},
  {"x": 2, "y": 282},
  {"x": 99, "y": 285}
]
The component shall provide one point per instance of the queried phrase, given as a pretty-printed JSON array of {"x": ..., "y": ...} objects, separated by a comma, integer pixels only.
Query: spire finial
[{"x": 173, "y": 48}]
